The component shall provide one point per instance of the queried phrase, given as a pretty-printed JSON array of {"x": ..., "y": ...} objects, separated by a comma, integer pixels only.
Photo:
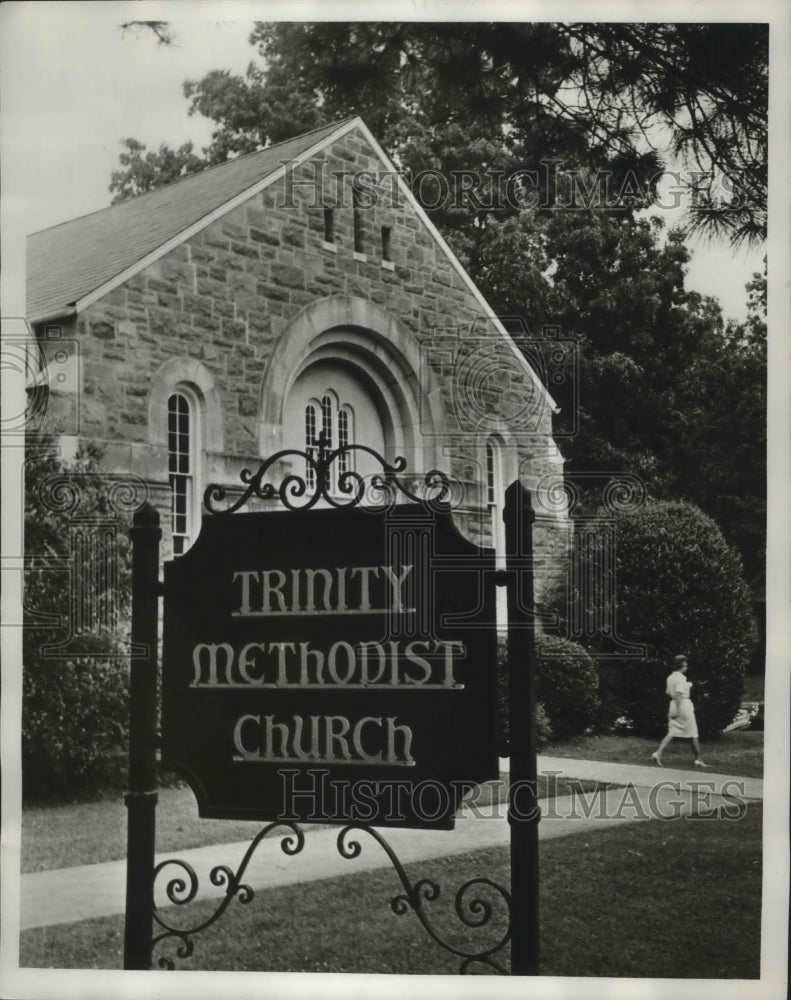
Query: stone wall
[{"x": 227, "y": 296}]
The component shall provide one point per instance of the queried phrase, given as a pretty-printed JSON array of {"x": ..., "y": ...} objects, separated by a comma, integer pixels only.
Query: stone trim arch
[
  {"x": 371, "y": 342},
  {"x": 197, "y": 377}
]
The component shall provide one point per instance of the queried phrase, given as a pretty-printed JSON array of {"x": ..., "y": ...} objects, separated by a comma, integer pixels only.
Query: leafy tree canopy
[{"x": 612, "y": 95}]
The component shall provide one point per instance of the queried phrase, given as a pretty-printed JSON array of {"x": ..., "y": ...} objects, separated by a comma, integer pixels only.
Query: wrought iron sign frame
[
  {"x": 296, "y": 493},
  {"x": 475, "y": 912},
  {"x": 384, "y": 485}
]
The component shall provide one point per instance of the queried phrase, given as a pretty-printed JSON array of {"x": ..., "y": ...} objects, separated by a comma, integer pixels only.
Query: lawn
[
  {"x": 90, "y": 832},
  {"x": 740, "y": 752},
  {"x": 659, "y": 899}
]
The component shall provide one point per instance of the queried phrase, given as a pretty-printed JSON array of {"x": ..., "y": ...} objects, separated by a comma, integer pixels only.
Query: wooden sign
[{"x": 331, "y": 665}]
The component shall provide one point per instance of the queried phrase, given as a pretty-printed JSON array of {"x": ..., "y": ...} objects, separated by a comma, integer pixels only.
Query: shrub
[
  {"x": 544, "y": 734},
  {"x": 74, "y": 723},
  {"x": 566, "y": 685},
  {"x": 565, "y": 689},
  {"x": 612, "y": 705},
  {"x": 678, "y": 587},
  {"x": 74, "y": 698}
]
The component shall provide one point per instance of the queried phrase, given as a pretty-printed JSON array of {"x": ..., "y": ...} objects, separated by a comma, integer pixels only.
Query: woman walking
[{"x": 681, "y": 720}]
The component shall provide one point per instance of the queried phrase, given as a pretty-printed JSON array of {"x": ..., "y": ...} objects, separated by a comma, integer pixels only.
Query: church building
[{"x": 294, "y": 291}]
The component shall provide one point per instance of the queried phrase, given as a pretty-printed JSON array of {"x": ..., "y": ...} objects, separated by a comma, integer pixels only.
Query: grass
[
  {"x": 651, "y": 899},
  {"x": 91, "y": 832},
  {"x": 77, "y": 833},
  {"x": 740, "y": 752}
]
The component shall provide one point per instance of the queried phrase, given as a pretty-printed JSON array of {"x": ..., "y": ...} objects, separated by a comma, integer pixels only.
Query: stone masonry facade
[{"x": 228, "y": 295}]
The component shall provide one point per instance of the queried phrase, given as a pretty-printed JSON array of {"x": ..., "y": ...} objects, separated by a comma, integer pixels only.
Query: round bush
[
  {"x": 566, "y": 685},
  {"x": 679, "y": 588}
]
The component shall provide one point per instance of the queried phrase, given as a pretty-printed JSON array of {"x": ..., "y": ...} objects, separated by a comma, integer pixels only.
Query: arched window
[
  {"x": 182, "y": 468},
  {"x": 337, "y": 425},
  {"x": 495, "y": 496},
  {"x": 495, "y": 504},
  {"x": 311, "y": 441},
  {"x": 328, "y": 410}
]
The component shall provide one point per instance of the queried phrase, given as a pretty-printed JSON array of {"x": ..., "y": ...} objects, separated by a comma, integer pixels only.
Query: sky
[{"x": 74, "y": 85}]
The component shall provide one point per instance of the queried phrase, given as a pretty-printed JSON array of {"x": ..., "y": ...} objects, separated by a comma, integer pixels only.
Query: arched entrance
[{"x": 347, "y": 367}]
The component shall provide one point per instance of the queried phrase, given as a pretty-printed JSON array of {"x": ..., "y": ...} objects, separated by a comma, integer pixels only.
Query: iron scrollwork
[
  {"x": 183, "y": 888},
  {"x": 298, "y": 492},
  {"x": 472, "y": 912}
]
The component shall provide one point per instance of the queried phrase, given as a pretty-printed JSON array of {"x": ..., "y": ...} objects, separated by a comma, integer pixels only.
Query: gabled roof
[
  {"x": 72, "y": 265},
  {"x": 67, "y": 262}
]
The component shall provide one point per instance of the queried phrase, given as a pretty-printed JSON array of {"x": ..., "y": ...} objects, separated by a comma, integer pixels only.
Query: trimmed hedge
[{"x": 679, "y": 588}]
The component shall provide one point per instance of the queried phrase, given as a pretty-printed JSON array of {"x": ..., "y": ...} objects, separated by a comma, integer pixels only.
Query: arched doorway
[{"x": 346, "y": 361}]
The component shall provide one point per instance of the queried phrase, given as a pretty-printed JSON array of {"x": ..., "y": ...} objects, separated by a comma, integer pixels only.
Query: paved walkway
[{"x": 70, "y": 894}]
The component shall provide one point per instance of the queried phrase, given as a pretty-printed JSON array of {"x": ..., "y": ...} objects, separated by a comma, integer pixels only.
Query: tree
[
  {"x": 161, "y": 30},
  {"x": 721, "y": 461},
  {"x": 603, "y": 93},
  {"x": 616, "y": 91},
  {"x": 144, "y": 171},
  {"x": 74, "y": 699}
]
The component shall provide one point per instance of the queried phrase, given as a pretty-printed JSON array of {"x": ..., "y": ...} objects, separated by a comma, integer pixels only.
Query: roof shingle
[{"x": 69, "y": 261}]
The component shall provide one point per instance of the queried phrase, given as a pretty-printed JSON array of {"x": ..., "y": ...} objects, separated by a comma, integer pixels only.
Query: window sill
[
  {"x": 362, "y": 257},
  {"x": 332, "y": 247},
  {"x": 388, "y": 265}
]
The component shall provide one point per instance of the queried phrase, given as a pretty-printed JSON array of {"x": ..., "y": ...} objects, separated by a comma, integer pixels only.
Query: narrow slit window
[
  {"x": 491, "y": 496},
  {"x": 181, "y": 470},
  {"x": 345, "y": 438},
  {"x": 327, "y": 420},
  {"x": 329, "y": 225},
  {"x": 310, "y": 443},
  {"x": 495, "y": 497},
  {"x": 386, "y": 243},
  {"x": 357, "y": 221}
]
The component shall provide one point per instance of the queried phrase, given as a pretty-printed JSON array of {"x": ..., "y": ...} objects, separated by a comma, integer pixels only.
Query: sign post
[
  {"x": 141, "y": 799},
  {"x": 523, "y": 811}
]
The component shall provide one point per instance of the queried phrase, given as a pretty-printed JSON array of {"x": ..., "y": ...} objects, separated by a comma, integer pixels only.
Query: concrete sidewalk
[
  {"x": 71, "y": 894},
  {"x": 650, "y": 774}
]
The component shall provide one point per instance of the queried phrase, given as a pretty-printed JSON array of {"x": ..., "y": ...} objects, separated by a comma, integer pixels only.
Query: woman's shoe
[
  {"x": 701, "y": 763},
  {"x": 656, "y": 759}
]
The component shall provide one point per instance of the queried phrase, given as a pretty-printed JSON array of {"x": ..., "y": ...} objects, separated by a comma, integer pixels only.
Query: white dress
[{"x": 681, "y": 716}]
